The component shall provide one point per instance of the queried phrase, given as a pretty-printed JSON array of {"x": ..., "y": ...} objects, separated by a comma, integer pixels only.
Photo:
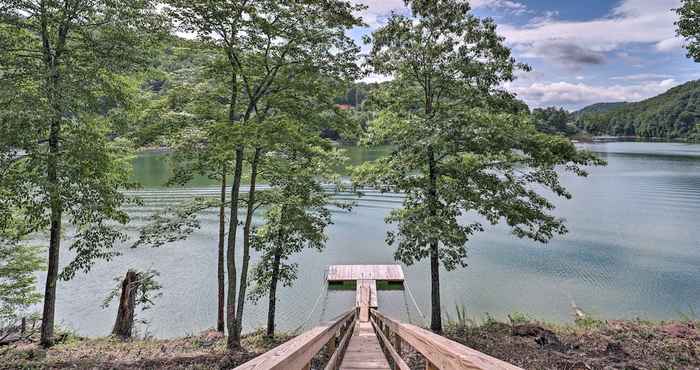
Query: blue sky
[{"x": 582, "y": 52}]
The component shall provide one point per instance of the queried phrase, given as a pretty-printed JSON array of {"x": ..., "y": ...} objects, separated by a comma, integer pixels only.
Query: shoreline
[{"x": 585, "y": 344}]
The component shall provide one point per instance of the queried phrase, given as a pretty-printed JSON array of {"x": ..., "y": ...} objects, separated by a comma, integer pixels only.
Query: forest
[
  {"x": 671, "y": 115},
  {"x": 257, "y": 95}
]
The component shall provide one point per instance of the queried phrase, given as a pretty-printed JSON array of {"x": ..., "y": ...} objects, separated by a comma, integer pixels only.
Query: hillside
[
  {"x": 674, "y": 114},
  {"x": 600, "y": 108}
]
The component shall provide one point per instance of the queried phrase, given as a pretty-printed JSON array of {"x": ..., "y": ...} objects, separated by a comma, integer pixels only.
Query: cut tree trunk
[{"x": 124, "y": 324}]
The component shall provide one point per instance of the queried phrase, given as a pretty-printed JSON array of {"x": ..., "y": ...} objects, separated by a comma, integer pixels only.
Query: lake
[{"x": 633, "y": 250}]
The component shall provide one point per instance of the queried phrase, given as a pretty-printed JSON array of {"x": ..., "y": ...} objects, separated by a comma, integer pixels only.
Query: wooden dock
[
  {"x": 366, "y": 339},
  {"x": 364, "y": 351},
  {"x": 340, "y": 273}
]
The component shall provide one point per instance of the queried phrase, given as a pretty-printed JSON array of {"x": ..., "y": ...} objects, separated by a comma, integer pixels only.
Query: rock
[
  {"x": 543, "y": 337},
  {"x": 528, "y": 330},
  {"x": 615, "y": 349}
]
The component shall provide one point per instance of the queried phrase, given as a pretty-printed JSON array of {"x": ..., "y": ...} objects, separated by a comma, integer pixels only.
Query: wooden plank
[
  {"x": 443, "y": 353},
  {"x": 398, "y": 361},
  {"x": 337, "y": 273},
  {"x": 364, "y": 352},
  {"x": 298, "y": 352},
  {"x": 368, "y": 287}
]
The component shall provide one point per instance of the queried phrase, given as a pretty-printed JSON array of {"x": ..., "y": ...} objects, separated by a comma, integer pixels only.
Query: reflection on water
[{"x": 633, "y": 250}]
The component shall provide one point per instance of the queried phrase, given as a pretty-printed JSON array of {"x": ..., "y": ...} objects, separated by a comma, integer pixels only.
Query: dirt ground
[
  {"x": 534, "y": 346},
  {"x": 204, "y": 351},
  {"x": 588, "y": 345}
]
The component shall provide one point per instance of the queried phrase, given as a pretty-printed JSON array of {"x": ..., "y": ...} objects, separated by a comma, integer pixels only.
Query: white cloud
[
  {"x": 671, "y": 44},
  {"x": 642, "y": 77},
  {"x": 632, "y": 21},
  {"x": 377, "y": 10},
  {"x": 577, "y": 95},
  {"x": 373, "y": 77}
]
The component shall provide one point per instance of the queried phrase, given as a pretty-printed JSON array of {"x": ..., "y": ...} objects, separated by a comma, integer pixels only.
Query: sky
[{"x": 581, "y": 52}]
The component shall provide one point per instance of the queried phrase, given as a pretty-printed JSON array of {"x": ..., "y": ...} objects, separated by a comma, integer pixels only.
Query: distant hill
[
  {"x": 600, "y": 108},
  {"x": 674, "y": 114}
]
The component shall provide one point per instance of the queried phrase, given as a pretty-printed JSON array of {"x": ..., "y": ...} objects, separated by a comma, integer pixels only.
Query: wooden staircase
[{"x": 366, "y": 339}]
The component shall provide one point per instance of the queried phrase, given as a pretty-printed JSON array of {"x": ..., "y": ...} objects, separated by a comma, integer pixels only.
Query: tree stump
[{"x": 124, "y": 324}]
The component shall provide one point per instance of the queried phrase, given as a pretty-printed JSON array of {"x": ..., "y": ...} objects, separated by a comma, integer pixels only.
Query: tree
[
  {"x": 462, "y": 146},
  {"x": 60, "y": 65},
  {"x": 297, "y": 215},
  {"x": 553, "y": 120},
  {"x": 266, "y": 45},
  {"x": 19, "y": 264},
  {"x": 688, "y": 26}
]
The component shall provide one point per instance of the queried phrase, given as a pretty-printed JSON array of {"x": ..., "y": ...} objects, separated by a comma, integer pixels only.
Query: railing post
[{"x": 397, "y": 343}]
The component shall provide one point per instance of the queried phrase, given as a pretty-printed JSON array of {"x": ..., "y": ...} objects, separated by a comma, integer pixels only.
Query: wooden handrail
[
  {"x": 399, "y": 363},
  {"x": 334, "y": 361},
  {"x": 297, "y": 353},
  {"x": 440, "y": 352}
]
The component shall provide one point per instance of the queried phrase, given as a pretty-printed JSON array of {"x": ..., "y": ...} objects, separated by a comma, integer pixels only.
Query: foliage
[
  {"x": 297, "y": 215},
  {"x": 553, "y": 120},
  {"x": 463, "y": 146},
  {"x": 19, "y": 264},
  {"x": 173, "y": 223},
  {"x": 673, "y": 114},
  {"x": 689, "y": 26}
]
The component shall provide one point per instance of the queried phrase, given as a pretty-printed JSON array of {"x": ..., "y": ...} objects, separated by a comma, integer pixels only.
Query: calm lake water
[{"x": 633, "y": 250}]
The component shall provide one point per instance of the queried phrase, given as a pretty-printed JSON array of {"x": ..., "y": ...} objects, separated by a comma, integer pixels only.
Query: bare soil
[{"x": 589, "y": 345}]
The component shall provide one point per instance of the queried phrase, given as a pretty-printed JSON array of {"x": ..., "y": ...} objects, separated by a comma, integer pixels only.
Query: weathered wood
[
  {"x": 397, "y": 343},
  {"x": 430, "y": 366},
  {"x": 298, "y": 352},
  {"x": 371, "y": 287},
  {"x": 338, "y": 273},
  {"x": 443, "y": 353},
  {"x": 124, "y": 323},
  {"x": 399, "y": 363},
  {"x": 363, "y": 351}
]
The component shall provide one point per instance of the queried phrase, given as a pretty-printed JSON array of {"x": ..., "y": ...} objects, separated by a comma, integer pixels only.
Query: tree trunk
[
  {"x": 55, "y": 231},
  {"x": 273, "y": 294},
  {"x": 220, "y": 322},
  {"x": 436, "y": 314},
  {"x": 246, "y": 245},
  {"x": 233, "y": 342},
  {"x": 49, "y": 309},
  {"x": 124, "y": 324}
]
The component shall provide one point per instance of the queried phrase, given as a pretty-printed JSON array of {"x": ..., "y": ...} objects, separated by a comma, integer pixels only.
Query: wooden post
[
  {"x": 307, "y": 367},
  {"x": 331, "y": 346},
  {"x": 397, "y": 343}
]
